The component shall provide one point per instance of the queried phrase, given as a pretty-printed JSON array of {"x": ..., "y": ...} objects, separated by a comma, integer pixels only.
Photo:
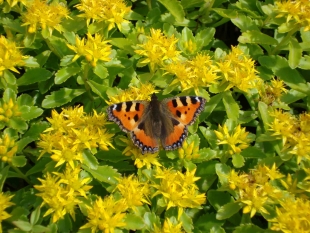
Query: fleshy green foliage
[{"x": 245, "y": 165}]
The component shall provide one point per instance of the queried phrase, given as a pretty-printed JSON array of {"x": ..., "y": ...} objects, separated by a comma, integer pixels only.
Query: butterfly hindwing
[
  {"x": 127, "y": 114},
  {"x": 176, "y": 137},
  {"x": 147, "y": 143}
]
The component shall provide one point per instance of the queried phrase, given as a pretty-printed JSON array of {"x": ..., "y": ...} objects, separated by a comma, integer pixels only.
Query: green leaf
[
  {"x": 35, "y": 215},
  {"x": 134, "y": 222},
  {"x": 104, "y": 174},
  {"x": 228, "y": 210},
  {"x": 175, "y": 8},
  {"x": 19, "y": 161},
  {"x": 63, "y": 74},
  {"x": 253, "y": 152},
  {"x": 33, "y": 76},
  {"x": 222, "y": 171},
  {"x": 9, "y": 94},
  {"x": 43, "y": 57},
  {"x": 40, "y": 229},
  {"x": 231, "y": 106},
  {"x": 123, "y": 43},
  {"x": 23, "y": 142},
  {"x": 99, "y": 89},
  {"x": 217, "y": 229},
  {"x": 3, "y": 175},
  {"x": 256, "y": 37},
  {"x": 250, "y": 228},
  {"x": 187, "y": 222},
  {"x": 206, "y": 221},
  {"x": 218, "y": 198},
  {"x": 304, "y": 62},
  {"x": 90, "y": 160},
  {"x": 30, "y": 112},
  {"x": 25, "y": 226},
  {"x": 237, "y": 160},
  {"x": 265, "y": 116},
  {"x": 18, "y": 123},
  {"x": 280, "y": 67},
  {"x": 245, "y": 23},
  {"x": 61, "y": 97},
  {"x": 58, "y": 46},
  {"x": 101, "y": 71},
  {"x": 295, "y": 53}
]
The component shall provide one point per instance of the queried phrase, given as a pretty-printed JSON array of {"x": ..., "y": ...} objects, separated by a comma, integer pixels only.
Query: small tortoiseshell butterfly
[{"x": 150, "y": 122}]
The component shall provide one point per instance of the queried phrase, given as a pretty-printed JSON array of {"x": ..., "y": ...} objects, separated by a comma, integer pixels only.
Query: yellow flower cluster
[
  {"x": 169, "y": 226},
  {"x": 141, "y": 92},
  {"x": 254, "y": 189},
  {"x": 45, "y": 16},
  {"x": 71, "y": 132},
  {"x": 8, "y": 148},
  {"x": 178, "y": 189},
  {"x": 238, "y": 70},
  {"x": 189, "y": 151},
  {"x": 294, "y": 132},
  {"x": 61, "y": 192},
  {"x": 236, "y": 141},
  {"x": 106, "y": 215},
  {"x": 93, "y": 49},
  {"x": 135, "y": 193},
  {"x": 10, "y": 56},
  {"x": 9, "y": 110},
  {"x": 158, "y": 49},
  {"x": 271, "y": 92},
  {"x": 110, "y": 11},
  {"x": 295, "y": 12},
  {"x": 196, "y": 73},
  {"x": 292, "y": 216},
  {"x": 4, "y": 203}
]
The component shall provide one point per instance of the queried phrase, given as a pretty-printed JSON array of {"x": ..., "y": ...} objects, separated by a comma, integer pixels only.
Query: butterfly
[{"x": 153, "y": 122}]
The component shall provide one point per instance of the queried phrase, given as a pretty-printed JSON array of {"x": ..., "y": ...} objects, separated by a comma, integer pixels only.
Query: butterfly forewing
[
  {"x": 127, "y": 114},
  {"x": 186, "y": 108}
]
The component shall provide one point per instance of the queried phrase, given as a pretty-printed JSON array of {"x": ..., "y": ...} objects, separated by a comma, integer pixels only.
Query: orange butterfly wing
[
  {"x": 130, "y": 117},
  {"x": 184, "y": 111}
]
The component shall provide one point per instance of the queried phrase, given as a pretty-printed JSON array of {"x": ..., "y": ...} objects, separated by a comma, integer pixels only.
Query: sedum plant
[{"x": 244, "y": 166}]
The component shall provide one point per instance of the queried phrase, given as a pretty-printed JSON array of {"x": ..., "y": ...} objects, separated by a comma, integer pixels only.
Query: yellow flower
[
  {"x": 57, "y": 195},
  {"x": 255, "y": 199},
  {"x": 41, "y": 15},
  {"x": 13, "y": 3},
  {"x": 189, "y": 152},
  {"x": 4, "y": 203},
  {"x": 178, "y": 189},
  {"x": 73, "y": 181},
  {"x": 106, "y": 215},
  {"x": 291, "y": 185},
  {"x": 10, "y": 56},
  {"x": 94, "y": 49},
  {"x": 72, "y": 132},
  {"x": 237, "y": 140},
  {"x": 110, "y": 11},
  {"x": 141, "y": 92},
  {"x": 239, "y": 71},
  {"x": 272, "y": 92},
  {"x": 8, "y": 148},
  {"x": 292, "y": 216},
  {"x": 135, "y": 193},
  {"x": 284, "y": 125},
  {"x": 196, "y": 73},
  {"x": 158, "y": 49},
  {"x": 302, "y": 148},
  {"x": 169, "y": 227},
  {"x": 141, "y": 160},
  {"x": 295, "y": 12}
]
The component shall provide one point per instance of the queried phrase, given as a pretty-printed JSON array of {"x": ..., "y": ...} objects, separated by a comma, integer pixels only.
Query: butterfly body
[{"x": 155, "y": 122}]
